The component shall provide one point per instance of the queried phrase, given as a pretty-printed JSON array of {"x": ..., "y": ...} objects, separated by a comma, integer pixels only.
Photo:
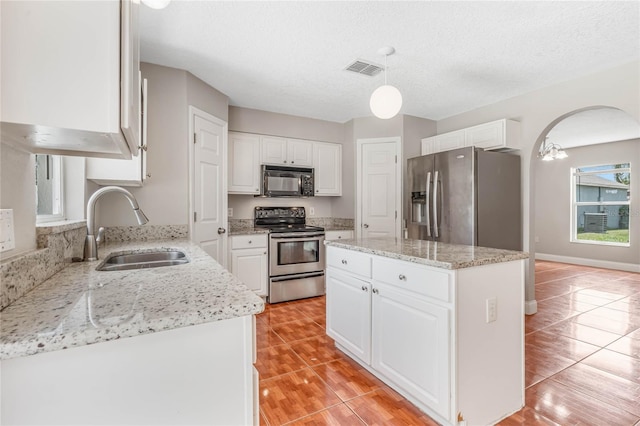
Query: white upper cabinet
[
  {"x": 70, "y": 77},
  {"x": 244, "y": 163},
  {"x": 286, "y": 152},
  {"x": 499, "y": 134},
  {"x": 132, "y": 172},
  {"x": 327, "y": 164}
]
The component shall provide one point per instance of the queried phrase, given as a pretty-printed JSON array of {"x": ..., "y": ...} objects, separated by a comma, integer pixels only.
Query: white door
[
  {"x": 379, "y": 188},
  {"x": 209, "y": 186}
]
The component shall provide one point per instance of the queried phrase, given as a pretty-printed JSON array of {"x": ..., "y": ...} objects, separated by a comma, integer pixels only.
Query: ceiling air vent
[{"x": 363, "y": 67}]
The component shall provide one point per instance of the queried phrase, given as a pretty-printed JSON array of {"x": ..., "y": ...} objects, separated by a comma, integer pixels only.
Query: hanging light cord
[{"x": 385, "y": 69}]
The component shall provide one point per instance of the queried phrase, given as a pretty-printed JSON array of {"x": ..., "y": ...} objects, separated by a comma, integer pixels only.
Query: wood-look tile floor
[{"x": 582, "y": 360}]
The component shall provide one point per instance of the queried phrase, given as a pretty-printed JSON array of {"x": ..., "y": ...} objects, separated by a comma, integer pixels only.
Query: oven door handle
[
  {"x": 297, "y": 235},
  {"x": 297, "y": 276}
]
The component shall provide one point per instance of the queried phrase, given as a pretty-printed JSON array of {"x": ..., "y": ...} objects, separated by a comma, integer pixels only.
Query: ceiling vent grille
[{"x": 363, "y": 67}]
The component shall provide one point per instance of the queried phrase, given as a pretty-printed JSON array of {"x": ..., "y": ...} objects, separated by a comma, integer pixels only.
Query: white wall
[
  {"x": 165, "y": 196},
  {"x": 18, "y": 192},
  {"x": 538, "y": 111},
  {"x": 553, "y": 202}
]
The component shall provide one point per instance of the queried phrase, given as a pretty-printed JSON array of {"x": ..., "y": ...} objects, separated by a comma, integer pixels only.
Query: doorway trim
[
  {"x": 359, "y": 144},
  {"x": 193, "y": 112}
]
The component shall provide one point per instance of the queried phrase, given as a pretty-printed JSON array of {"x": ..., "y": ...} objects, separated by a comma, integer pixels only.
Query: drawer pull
[
  {"x": 344, "y": 262},
  {"x": 375, "y": 291},
  {"x": 249, "y": 241},
  {"x": 364, "y": 288},
  {"x": 402, "y": 277}
]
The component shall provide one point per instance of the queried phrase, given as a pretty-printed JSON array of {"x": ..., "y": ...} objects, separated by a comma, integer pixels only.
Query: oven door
[{"x": 295, "y": 253}]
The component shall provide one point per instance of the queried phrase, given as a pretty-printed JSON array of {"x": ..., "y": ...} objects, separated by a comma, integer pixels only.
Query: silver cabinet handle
[
  {"x": 402, "y": 277},
  {"x": 344, "y": 262},
  {"x": 365, "y": 226},
  {"x": 374, "y": 291},
  {"x": 221, "y": 230}
]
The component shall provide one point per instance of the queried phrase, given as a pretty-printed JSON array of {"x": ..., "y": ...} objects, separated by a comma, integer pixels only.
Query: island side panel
[
  {"x": 201, "y": 374},
  {"x": 490, "y": 356}
]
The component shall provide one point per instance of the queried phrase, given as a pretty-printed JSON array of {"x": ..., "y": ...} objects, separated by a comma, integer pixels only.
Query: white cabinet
[
  {"x": 283, "y": 151},
  {"x": 499, "y": 134},
  {"x": 72, "y": 86},
  {"x": 338, "y": 235},
  {"x": 327, "y": 164},
  {"x": 427, "y": 331},
  {"x": 132, "y": 172},
  {"x": 249, "y": 261},
  {"x": 244, "y": 163}
]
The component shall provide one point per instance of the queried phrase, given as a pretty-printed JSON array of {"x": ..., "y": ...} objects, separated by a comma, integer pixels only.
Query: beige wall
[
  {"x": 165, "y": 196},
  {"x": 17, "y": 192},
  {"x": 539, "y": 111},
  {"x": 553, "y": 202}
]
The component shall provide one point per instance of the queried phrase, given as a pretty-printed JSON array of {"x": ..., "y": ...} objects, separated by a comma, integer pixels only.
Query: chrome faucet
[{"x": 91, "y": 242}]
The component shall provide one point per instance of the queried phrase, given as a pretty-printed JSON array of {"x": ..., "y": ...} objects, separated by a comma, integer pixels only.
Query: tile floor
[{"x": 582, "y": 360}]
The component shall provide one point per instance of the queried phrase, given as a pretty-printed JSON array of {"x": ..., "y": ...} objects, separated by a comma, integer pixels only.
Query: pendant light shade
[
  {"x": 386, "y": 100},
  {"x": 156, "y": 4},
  {"x": 551, "y": 151}
]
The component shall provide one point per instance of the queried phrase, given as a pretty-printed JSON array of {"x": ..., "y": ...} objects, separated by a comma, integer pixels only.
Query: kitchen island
[
  {"x": 442, "y": 324},
  {"x": 68, "y": 356}
]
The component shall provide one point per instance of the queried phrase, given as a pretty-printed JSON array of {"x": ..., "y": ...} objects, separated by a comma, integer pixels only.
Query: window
[
  {"x": 601, "y": 201},
  {"x": 49, "y": 204}
]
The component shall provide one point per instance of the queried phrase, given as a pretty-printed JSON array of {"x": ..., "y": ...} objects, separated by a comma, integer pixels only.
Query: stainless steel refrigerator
[{"x": 465, "y": 196}]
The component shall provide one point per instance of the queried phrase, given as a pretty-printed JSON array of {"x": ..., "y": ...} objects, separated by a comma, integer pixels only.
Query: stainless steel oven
[{"x": 296, "y": 253}]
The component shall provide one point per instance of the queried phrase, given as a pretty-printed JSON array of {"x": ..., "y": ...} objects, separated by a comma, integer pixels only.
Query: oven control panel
[{"x": 279, "y": 212}]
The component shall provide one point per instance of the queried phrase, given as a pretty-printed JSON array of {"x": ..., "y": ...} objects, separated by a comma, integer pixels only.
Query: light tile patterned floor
[{"x": 582, "y": 360}]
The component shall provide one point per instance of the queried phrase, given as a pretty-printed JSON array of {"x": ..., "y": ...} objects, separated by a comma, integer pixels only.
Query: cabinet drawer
[
  {"x": 350, "y": 261},
  {"x": 248, "y": 241},
  {"x": 338, "y": 235},
  {"x": 417, "y": 278}
]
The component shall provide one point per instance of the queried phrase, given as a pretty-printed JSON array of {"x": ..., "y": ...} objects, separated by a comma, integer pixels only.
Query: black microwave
[{"x": 280, "y": 181}]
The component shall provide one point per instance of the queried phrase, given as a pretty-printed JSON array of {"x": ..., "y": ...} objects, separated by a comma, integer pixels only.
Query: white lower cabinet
[
  {"x": 423, "y": 331},
  {"x": 249, "y": 261},
  {"x": 338, "y": 235}
]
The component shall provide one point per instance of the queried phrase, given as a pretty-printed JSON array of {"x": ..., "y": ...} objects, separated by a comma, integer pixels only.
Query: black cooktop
[{"x": 283, "y": 219}]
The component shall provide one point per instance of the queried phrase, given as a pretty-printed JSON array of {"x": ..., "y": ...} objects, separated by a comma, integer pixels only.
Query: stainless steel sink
[{"x": 143, "y": 260}]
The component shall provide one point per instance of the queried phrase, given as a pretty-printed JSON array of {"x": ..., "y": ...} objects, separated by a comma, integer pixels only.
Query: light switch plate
[{"x": 7, "y": 237}]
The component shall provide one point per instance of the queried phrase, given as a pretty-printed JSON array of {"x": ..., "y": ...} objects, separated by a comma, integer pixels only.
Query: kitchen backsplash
[
  {"x": 145, "y": 232},
  {"x": 329, "y": 223}
]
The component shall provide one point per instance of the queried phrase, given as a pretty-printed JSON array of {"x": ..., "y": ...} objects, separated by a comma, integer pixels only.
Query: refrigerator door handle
[
  {"x": 427, "y": 214},
  {"x": 435, "y": 205}
]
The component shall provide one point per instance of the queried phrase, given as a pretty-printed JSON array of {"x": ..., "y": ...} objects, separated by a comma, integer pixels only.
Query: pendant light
[
  {"x": 386, "y": 100},
  {"x": 156, "y": 4},
  {"x": 551, "y": 151}
]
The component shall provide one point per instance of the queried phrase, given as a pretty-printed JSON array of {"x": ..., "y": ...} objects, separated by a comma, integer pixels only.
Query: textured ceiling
[{"x": 451, "y": 57}]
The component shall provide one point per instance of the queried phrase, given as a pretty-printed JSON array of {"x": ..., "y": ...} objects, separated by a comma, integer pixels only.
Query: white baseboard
[
  {"x": 628, "y": 267},
  {"x": 530, "y": 307}
]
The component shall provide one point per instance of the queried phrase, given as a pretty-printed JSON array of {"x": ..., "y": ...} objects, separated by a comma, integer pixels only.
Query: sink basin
[{"x": 143, "y": 260}]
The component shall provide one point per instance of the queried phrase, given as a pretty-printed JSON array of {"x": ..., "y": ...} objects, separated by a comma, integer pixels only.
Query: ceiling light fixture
[
  {"x": 156, "y": 4},
  {"x": 386, "y": 100},
  {"x": 551, "y": 151}
]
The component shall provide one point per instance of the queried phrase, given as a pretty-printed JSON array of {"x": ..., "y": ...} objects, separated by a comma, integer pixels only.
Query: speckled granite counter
[
  {"x": 80, "y": 306},
  {"x": 439, "y": 255}
]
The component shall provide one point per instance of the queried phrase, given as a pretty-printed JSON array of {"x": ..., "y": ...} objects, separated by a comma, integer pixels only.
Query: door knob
[
  {"x": 365, "y": 226},
  {"x": 221, "y": 230}
]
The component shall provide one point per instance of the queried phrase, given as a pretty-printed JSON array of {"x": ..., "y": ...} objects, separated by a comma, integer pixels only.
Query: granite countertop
[
  {"x": 439, "y": 255},
  {"x": 247, "y": 231},
  {"x": 338, "y": 228},
  {"x": 80, "y": 306}
]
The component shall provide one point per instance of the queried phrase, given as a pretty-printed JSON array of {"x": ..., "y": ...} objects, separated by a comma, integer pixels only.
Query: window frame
[
  {"x": 58, "y": 189},
  {"x": 573, "y": 238}
]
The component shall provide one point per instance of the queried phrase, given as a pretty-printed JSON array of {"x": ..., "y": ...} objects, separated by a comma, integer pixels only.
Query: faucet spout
[{"x": 91, "y": 242}]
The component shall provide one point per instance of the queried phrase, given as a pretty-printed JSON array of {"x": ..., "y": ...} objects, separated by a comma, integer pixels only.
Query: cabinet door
[
  {"x": 300, "y": 153},
  {"x": 449, "y": 141},
  {"x": 250, "y": 267},
  {"x": 487, "y": 136},
  {"x": 274, "y": 150},
  {"x": 349, "y": 313},
  {"x": 428, "y": 146},
  {"x": 410, "y": 345},
  {"x": 327, "y": 163},
  {"x": 130, "y": 74},
  {"x": 244, "y": 163}
]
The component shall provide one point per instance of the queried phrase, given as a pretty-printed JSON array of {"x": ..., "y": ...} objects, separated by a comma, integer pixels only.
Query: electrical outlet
[
  {"x": 492, "y": 309},
  {"x": 230, "y": 212},
  {"x": 312, "y": 211}
]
